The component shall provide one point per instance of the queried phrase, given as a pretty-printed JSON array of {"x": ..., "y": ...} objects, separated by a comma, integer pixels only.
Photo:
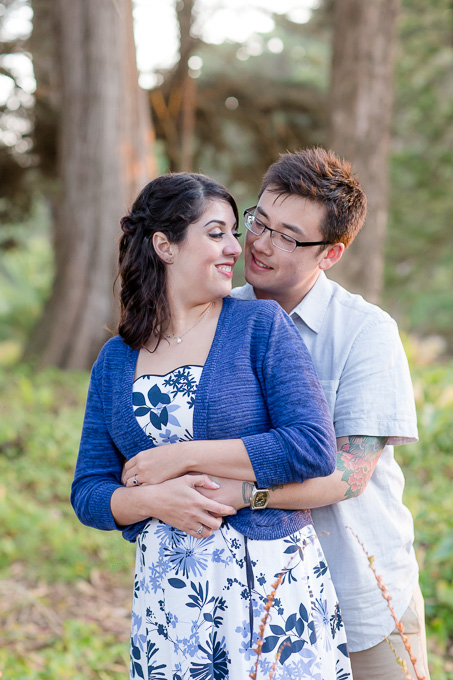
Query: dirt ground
[{"x": 31, "y": 616}]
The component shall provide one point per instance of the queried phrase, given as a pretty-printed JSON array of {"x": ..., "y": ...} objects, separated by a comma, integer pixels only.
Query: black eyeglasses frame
[{"x": 298, "y": 244}]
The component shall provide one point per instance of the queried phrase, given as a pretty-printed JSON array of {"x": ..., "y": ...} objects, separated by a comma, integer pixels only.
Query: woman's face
[{"x": 202, "y": 268}]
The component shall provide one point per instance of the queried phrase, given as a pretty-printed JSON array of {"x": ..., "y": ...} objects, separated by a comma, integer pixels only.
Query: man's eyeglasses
[{"x": 278, "y": 238}]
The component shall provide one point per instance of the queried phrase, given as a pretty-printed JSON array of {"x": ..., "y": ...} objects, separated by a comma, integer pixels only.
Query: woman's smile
[{"x": 226, "y": 268}]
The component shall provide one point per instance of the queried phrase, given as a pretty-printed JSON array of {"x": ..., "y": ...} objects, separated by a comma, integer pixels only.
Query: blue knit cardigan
[{"x": 258, "y": 384}]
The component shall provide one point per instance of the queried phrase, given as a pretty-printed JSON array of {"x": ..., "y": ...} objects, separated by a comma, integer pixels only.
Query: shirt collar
[{"x": 312, "y": 308}]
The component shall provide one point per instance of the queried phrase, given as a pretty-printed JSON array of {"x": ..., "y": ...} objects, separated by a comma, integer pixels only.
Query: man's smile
[{"x": 258, "y": 263}]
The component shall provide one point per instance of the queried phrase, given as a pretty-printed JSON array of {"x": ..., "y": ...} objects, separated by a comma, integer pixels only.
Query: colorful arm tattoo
[{"x": 358, "y": 458}]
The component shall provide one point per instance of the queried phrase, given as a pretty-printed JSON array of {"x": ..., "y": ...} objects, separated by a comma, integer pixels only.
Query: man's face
[{"x": 276, "y": 274}]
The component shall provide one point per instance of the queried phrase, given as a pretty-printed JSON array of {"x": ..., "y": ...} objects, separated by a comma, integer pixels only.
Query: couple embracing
[{"x": 238, "y": 435}]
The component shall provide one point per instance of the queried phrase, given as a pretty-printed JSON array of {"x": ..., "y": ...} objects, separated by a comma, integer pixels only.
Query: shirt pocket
[{"x": 330, "y": 388}]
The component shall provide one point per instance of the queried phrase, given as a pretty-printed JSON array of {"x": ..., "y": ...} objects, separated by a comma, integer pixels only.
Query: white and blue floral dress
[{"x": 198, "y": 603}]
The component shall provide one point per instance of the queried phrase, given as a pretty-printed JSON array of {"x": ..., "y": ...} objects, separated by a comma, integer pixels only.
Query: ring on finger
[
  {"x": 200, "y": 529},
  {"x": 134, "y": 479}
]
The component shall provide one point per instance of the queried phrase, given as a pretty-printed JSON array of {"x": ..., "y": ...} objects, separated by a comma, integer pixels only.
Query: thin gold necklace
[{"x": 179, "y": 338}]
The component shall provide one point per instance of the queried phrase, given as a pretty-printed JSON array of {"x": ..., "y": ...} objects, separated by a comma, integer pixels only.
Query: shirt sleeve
[
  {"x": 98, "y": 468},
  {"x": 374, "y": 394},
  {"x": 301, "y": 443}
]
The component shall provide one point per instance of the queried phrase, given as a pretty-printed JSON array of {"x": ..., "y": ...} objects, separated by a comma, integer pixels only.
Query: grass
[{"x": 65, "y": 589}]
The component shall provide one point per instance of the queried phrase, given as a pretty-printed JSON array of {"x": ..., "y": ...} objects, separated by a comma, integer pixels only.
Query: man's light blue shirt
[{"x": 362, "y": 367}]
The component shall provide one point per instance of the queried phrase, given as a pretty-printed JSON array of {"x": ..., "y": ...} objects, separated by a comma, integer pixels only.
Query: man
[{"x": 310, "y": 209}]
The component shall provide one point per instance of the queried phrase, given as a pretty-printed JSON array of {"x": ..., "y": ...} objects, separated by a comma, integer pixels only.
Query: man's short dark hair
[{"x": 322, "y": 177}]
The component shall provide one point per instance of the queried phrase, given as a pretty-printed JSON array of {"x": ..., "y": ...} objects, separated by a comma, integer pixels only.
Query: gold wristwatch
[{"x": 259, "y": 498}]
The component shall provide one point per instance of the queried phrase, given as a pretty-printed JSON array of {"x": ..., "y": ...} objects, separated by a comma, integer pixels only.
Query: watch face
[{"x": 260, "y": 499}]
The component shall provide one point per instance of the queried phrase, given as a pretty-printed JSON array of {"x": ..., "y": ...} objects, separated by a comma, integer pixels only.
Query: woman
[{"x": 205, "y": 383}]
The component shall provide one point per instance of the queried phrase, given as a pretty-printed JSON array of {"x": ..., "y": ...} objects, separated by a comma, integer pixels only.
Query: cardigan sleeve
[
  {"x": 98, "y": 468},
  {"x": 301, "y": 443}
]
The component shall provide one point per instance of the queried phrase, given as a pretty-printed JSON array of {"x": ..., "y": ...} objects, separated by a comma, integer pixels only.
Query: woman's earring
[{"x": 169, "y": 260}]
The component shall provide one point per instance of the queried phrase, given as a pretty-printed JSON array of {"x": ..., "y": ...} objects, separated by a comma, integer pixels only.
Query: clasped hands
[{"x": 191, "y": 501}]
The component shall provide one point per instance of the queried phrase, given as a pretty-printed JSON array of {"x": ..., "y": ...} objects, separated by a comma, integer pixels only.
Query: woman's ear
[{"x": 163, "y": 247}]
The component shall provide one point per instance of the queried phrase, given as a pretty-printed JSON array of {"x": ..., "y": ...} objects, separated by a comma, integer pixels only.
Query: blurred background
[{"x": 96, "y": 99}]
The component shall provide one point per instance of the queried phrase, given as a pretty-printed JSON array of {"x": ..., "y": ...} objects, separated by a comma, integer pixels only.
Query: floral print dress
[{"x": 198, "y": 603}]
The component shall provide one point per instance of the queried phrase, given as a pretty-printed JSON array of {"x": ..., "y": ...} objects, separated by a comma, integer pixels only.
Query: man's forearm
[
  {"x": 313, "y": 493},
  {"x": 357, "y": 457}
]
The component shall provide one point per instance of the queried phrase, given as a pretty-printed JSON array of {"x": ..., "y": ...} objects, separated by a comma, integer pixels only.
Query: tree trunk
[
  {"x": 175, "y": 110},
  {"x": 188, "y": 86},
  {"x": 105, "y": 157},
  {"x": 361, "y": 104}
]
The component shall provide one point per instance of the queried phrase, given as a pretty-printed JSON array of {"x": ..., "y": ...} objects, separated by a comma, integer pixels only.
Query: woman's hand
[
  {"x": 180, "y": 504},
  {"x": 154, "y": 466}
]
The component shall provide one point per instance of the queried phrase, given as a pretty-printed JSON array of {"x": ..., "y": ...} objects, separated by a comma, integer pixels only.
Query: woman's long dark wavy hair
[{"x": 168, "y": 204}]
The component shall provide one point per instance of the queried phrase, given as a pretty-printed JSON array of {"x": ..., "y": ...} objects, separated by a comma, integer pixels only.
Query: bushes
[
  {"x": 428, "y": 468},
  {"x": 82, "y": 577},
  {"x": 55, "y": 622}
]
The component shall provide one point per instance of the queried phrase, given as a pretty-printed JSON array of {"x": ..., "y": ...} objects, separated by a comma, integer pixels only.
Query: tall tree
[
  {"x": 104, "y": 157},
  {"x": 174, "y": 105},
  {"x": 360, "y": 108},
  {"x": 247, "y": 108}
]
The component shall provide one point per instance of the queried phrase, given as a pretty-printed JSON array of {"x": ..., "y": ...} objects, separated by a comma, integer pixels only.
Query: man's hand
[{"x": 229, "y": 492}]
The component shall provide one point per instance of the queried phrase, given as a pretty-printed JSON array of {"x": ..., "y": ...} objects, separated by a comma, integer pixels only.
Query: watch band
[{"x": 247, "y": 491}]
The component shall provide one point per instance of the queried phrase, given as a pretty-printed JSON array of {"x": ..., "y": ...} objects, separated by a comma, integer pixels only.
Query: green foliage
[
  {"x": 419, "y": 246},
  {"x": 44, "y": 543},
  {"x": 428, "y": 468},
  {"x": 26, "y": 273},
  {"x": 39, "y": 434},
  {"x": 83, "y": 652}
]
